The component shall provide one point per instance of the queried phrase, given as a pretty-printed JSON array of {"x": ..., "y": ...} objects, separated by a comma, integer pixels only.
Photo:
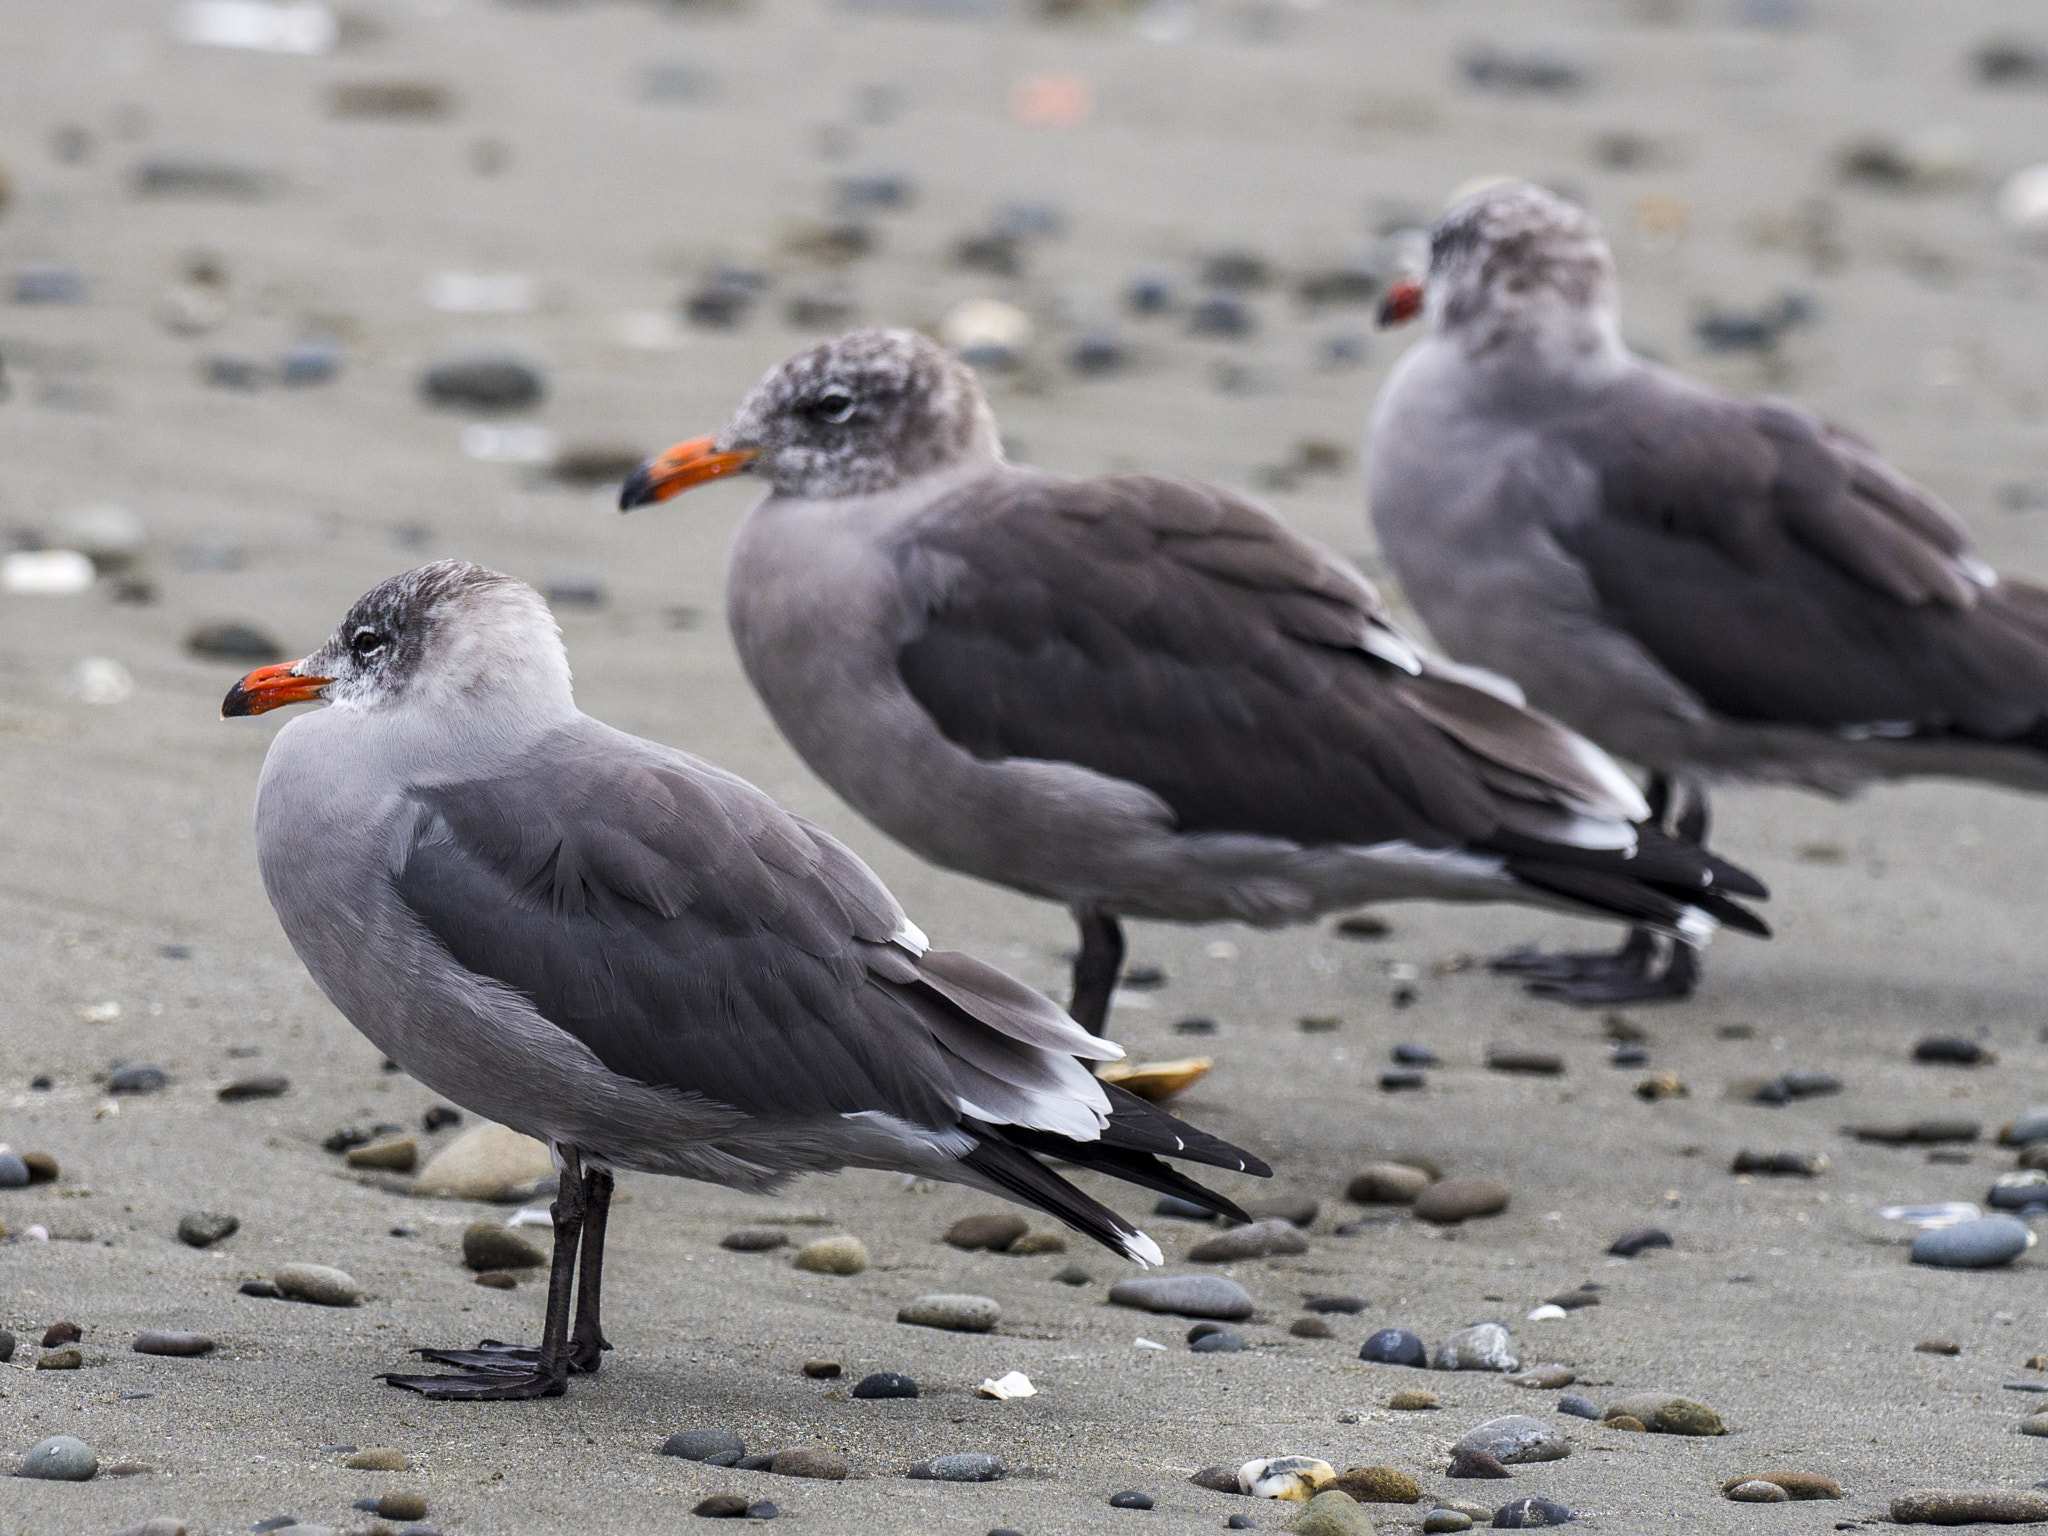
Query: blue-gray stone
[
  {"x": 1981, "y": 1244},
  {"x": 1578, "y": 1407},
  {"x": 1530, "y": 1514},
  {"x": 721, "y": 1447},
  {"x": 1396, "y": 1346},
  {"x": 962, "y": 1467},
  {"x": 2029, "y": 1127},
  {"x": 13, "y": 1171},
  {"x": 1185, "y": 1295},
  {"x": 137, "y": 1079},
  {"x": 1516, "y": 1437},
  {"x": 2021, "y": 1191},
  {"x": 1221, "y": 1342},
  {"x": 886, "y": 1384},
  {"x": 61, "y": 1458},
  {"x": 1130, "y": 1498}
]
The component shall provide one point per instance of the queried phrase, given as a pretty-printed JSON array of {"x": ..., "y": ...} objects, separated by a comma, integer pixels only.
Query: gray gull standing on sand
[
  {"x": 1713, "y": 586},
  {"x": 641, "y": 959},
  {"x": 1135, "y": 696}
]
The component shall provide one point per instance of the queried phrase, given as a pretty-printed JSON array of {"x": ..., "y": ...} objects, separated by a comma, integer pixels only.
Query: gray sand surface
[{"x": 1293, "y": 131}]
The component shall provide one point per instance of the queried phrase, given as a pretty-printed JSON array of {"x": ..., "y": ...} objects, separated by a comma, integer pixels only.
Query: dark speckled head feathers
[
  {"x": 862, "y": 413},
  {"x": 1512, "y": 259}
]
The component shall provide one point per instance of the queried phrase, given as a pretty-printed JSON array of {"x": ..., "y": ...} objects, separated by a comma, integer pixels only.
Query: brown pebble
[
  {"x": 1413, "y": 1400},
  {"x": 1662, "y": 1085},
  {"x": 1454, "y": 1200},
  {"x": 269, "y": 1085},
  {"x": 1387, "y": 1184},
  {"x": 2037, "y": 1362},
  {"x": 1938, "y": 1347},
  {"x": 822, "y": 1370},
  {"x": 498, "y": 1280},
  {"x": 1946, "y": 1506},
  {"x": 127, "y": 1469},
  {"x": 1800, "y": 1485},
  {"x": 1467, "y": 1462},
  {"x": 1544, "y": 1378},
  {"x": 754, "y": 1239},
  {"x": 1628, "y": 1422},
  {"x": 1217, "y": 1479},
  {"x": 378, "y": 1458},
  {"x": 62, "y": 1333},
  {"x": 993, "y": 1231},
  {"x": 809, "y": 1461},
  {"x": 395, "y": 1154},
  {"x": 1504, "y": 1058},
  {"x": 1037, "y": 1242},
  {"x": 1379, "y": 1485},
  {"x": 1311, "y": 1327},
  {"x": 169, "y": 1342},
  {"x": 42, "y": 1168},
  {"x": 402, "y": 1506},
  {"x": 60, "y": 1360},
  {"x": 721, "y": 1506}
]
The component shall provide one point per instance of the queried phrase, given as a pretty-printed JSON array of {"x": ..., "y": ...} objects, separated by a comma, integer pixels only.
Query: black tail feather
[
  {"x": 1133, "y": 1167},
  {"x": 1140, "y": 1126},
  {"x": 1024, "y": 1178}
]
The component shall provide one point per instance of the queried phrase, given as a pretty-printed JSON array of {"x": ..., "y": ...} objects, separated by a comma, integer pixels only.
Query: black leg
[
  {"x": 496, "y": 1372},
  {"x": 1658, "y": 793},
  {"x": 588, "y": 1343},
  {"x": 1678, "y": 978},
  {"x": 1096, "y": 968},
  {"x": 1692, "y": 822}
]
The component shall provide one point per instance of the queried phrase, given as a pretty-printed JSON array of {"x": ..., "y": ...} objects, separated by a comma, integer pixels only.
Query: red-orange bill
[
  {"x": 1402, "y": 303},
  {"x": 677, "y": 469},
  {"x": 271, "y": 688}
]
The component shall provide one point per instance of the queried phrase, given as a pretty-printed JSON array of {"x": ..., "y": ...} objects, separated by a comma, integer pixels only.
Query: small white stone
[
  {"x": 1003, "y": 1388},
  {"x": 1296, "y": 1479},
  {"x": 985, "y": 325},
  {"x": 1546, "y": 1312},
  {"x": 45, "y": 572}
]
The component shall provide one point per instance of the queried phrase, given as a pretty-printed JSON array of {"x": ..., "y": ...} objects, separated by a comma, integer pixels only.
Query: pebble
[
  {"x": 1395, "y": 1346},
  {"x": 1631, "y": 1243},
  {"x": 394, "y": 1154},
  {"x": 1311, "y": 1328},
  {"x": 137, "y": 1079},
  {"x": 6, "y": 1346},
  {"x": 1259, "y": 1240},
  {"x": 1515, "y": 1438},
  {"x": 1402, "y": 1079},
  {"x": 721, "y": 1506},
  {"x": 1981, "y": 1244},
  {"x": 60, "y": 1459},
  {"x": 1221, "y": 1342},
  {"x": 1448, "y": 1201},
  {"x": 1662, "y": 1085},
  {"x": 2026, "y": 1190},
  {"x": 1796, "y": 1485},
  {"x": 841, "y": 1254},
  {"x": 1938, "y": 1347},
  {"x": 1185, "y": 1296},
  {"x": 1528, "y": 1514},
  {"x": 2036, "y": 1425},
  {"x": 1221, "y": 315},
  {"x": 1481, "y": 1347},
  {"x": 261, "y": 1289},
  {"x": 62, "y": 1333},
  {"x": 954, "y": 1312},
  {"x": 1343, "y": 1304},
  {"x": 1544, "y": 1378},
  {"x": 227, "y": 640},
  {"x": 993, "y": 1232},
  {"x": 168, "y": 1342},
  {"x": 1231, "y": 1523},
  {"x": 1298, "y": 1210},
  {"x": 1949, "y": 1506},
  {"x": 42, "y": 1168},
  {"x": 1379, "y": 1485},
  {"x": 1413, "y": 1400},
  {"x": 1954, "y": 1051},
  {"x": 1130, "y": 1498},
  {"x": 1807, "y": 1165},
  {"x": 823, "y": 1370},
  {"x": 809, "y": 1461},
  {"x": 1503, "y": 1058},
  {"x": 317, "y": 1283},
  {"x": 1332, "y": 1512},
  {"x": 1037, "y": 1242},
  {"x": 1386, "y": 1184},
  {"x": 439, "y": 1118},
  {"x": 1447, "y": 1520},
  {"x": 2027, "y": 1129},
  {"x": 961, "y": 1467},
  {"x": 402, "y": 1506},
  {"x": 1413, "y": 1055},
  {"x": 1931, "y": 1132},
  {"x": 719, "y": 1447},
  {"x": 483, "y": 382},
  {"x": 885, "y": 1384},
  {"x": 1073, "y": 1274},
  {"x": 1216, "y": 1479},
  {"x": 487, "y": 1245},
  {"x": 61, "y": 1360},
  {"x": 486, "y": 1162},
  {"x": 268, "y": 1085},
  {"x": 13, "y": 1171},
  {"x": 378, "y": 1458},
  {"x": 1578, "y": 1407},
  {"x": 754, "y": 1239},
  {"x": 498, "y": 1280},
  {"x": 1466, "y": 1462},
  {"x": 1663, "y": 1414},
  {"x": 1757, "y": 1491}
]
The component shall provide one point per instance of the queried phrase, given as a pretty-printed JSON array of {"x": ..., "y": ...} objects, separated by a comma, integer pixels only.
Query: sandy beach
[{"x": 613, "y": 158}]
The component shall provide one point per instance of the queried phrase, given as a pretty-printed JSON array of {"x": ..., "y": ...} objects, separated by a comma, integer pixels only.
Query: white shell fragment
[
  {"x": 1546, "y": 1312},
  {"x": 45, "y": 572},
  {"x": 1145, "y": 1344},
  {"x": 1003, "y": 1388},
  {"x": 258, "y": 25},
  {"x": 1944, "y": 1214}
]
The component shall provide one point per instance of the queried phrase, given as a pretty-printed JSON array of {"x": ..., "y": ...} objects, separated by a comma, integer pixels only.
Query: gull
[
  {"x": 640, "y": 959},
  {"x": 1714, "y": 586},
  {"x": 1133, "y": 695}
]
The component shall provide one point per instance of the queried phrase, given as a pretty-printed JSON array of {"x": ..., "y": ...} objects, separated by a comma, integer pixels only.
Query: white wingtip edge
[
  {"x": 1142, "y": 1249},
  {"x": 1697, "y": 927}
]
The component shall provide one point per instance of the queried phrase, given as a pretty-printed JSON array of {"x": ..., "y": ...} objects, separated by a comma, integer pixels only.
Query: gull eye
[
  {"x": 366, "y": 644},
  {"x": 833, "y": 406}
]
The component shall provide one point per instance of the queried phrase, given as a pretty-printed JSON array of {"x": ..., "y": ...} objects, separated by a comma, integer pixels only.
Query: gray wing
[
  {"x": 694, "y": 935},
  {"x": 1180, "y": 637},
  {"x": 1781, "y": 570}
]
